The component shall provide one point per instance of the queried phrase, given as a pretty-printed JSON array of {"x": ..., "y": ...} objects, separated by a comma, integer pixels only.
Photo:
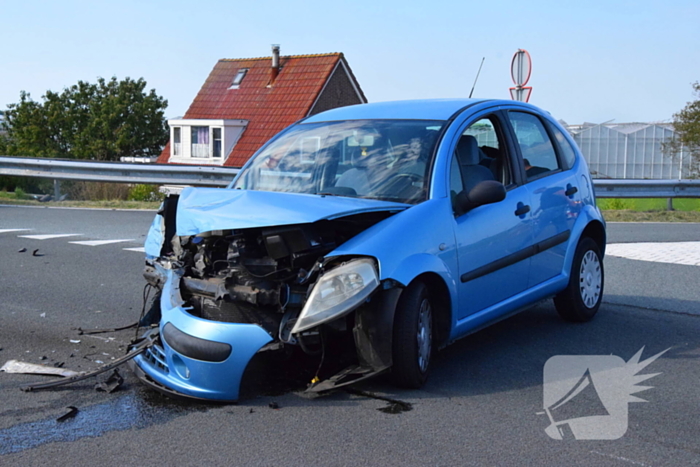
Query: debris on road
[
  {"x": 82, "y": 331},
  {"x": 21, "y": 250},
  {"x": 111, "y": 384},
  {"x": 273, "y": 405},
  {"x": 72, "y": 412},
  {"x": 75, "y": 341},
  {"x": 15, "y": 366},
  {"x": 36, "y": 253},
  {"x": 43, "y": 315},
  {"x": 137, "y": 349}
]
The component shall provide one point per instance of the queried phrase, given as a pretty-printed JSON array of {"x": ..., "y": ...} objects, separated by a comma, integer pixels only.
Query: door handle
[
  {"x": 570, "y": 190},
  {"x": 522, "y": 209}
]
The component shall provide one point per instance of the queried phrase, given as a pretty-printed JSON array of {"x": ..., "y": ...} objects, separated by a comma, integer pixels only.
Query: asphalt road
[{"x": 480, "y": 406}]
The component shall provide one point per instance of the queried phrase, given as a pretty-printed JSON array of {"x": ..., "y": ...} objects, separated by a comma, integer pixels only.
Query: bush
[
  {"x": 144, "y": 193},
  {"x": 97, "y": 191},
  {"x": 27, "y": 184},
  {"x": 20, "y": 193}
]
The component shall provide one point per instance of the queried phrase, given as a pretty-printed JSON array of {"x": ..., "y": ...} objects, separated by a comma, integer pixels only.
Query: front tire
[
  {"x": 581, "y": 299},
  {"x": 413, "y": 337}
]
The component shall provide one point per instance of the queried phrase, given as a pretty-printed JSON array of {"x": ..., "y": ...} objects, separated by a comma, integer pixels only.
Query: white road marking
[
  {"x": 101, "y": 242},
  {"x": 620, "y": 458},
  {"x": 687, "y": 253},
  {"x": 12, "y": 230},
  {"x": 46, "y": 237},
  {"x": 139, "y": 249}
]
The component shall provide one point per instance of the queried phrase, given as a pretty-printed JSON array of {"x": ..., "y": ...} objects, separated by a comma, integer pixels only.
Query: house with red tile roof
[{"x": 245, "y": 102}]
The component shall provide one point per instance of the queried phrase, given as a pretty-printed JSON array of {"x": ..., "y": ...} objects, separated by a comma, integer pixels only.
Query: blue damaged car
[{"x": 385, "y": 230}]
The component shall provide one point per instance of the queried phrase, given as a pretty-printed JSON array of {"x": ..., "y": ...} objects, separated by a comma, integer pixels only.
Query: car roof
[{"x": 425, "y": 109}]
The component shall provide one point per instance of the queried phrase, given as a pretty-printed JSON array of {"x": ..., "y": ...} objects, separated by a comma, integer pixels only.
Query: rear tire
[
  {"x": 412, "y": 344},
  {"x": 581, "y": 299}
]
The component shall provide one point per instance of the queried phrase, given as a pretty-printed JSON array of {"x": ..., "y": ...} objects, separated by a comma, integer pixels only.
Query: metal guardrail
[
  {"x": 117, "y": 172},
  {"x": 608, "y": 188},
  {"x": 169, "y": 174}
]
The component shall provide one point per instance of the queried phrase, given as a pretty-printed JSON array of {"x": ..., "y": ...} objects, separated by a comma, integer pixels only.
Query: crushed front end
[{"x": 225, "y": 294}]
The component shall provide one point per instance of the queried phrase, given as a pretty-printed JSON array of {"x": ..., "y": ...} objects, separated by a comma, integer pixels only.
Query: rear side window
[
  {"x": 568, "y": 154},
  {"x": 535, "y": 145}
]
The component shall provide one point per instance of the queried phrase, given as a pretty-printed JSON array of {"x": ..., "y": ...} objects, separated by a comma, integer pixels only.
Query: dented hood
[{"x": 206, "y": 209}]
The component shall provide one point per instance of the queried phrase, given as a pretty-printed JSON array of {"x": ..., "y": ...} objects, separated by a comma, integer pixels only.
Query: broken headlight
[{"x": 338, "y": 292}]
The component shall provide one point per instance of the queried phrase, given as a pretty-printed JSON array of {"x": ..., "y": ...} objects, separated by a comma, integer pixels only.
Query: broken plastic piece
[
  {"x": 102, "y": 331},
  {"x": 273, "y": 405},
  {"x": 21, "y": 250},
  {"x": 15, "y": 366},
  {"x": 136, "y": 350},
  {"x": 111, "y": 384},
  {"x": 75, "y": 341},
  {"x": 72, "y": 412}
]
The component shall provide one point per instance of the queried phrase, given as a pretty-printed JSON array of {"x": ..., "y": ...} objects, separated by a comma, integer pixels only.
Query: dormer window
[
  {"x": 203, "y": 141},
  {"x": 238, "y": 78}
]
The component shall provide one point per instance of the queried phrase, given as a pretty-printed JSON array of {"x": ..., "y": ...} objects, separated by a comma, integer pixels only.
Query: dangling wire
[
  {"x": 323, "y": 353},
  {"x": 146, "y": 295}
]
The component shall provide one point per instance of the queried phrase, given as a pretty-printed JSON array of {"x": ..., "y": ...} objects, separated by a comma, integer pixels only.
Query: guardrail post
[
  {"x": 669, "y": 204},
  {"x": 56, "y": 189}
]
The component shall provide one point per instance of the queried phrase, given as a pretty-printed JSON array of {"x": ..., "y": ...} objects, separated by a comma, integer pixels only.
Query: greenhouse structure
[{"x": 630, "y": 150}]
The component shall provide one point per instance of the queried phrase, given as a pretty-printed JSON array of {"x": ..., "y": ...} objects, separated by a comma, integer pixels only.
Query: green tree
[
  {"x": 102, "y": 121},
  {"x": 686, "y": 144}
]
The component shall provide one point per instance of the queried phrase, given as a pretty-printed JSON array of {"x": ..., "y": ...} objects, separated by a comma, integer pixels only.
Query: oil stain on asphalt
[{"x": 136, "y": 410}]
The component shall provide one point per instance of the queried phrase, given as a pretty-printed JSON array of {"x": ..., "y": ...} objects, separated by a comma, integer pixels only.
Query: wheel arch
[
  {"x": 442, "y": 305},
  {"x": 596, "y": 231}
]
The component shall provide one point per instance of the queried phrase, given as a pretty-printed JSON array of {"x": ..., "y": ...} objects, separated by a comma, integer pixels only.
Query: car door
[
  {"x": 553, "y": 189},
  {"x": 491, "y": 239}
]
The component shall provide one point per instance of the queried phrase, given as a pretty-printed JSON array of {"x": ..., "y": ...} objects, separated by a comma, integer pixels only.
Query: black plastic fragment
[
  {"x": 111, "y": 384},
  {"x": 21, "y": 250},
  {"x": 135, "y": 350},
  {"x": 82, "y": 331},
  {"x": 36, "y": 253},
  {"x": 273, "y": 405},
  {"x": 72, "y": 412}
]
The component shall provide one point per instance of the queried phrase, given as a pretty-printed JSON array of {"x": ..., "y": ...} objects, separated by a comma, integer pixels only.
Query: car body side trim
[{"x": 518, "y": 256}]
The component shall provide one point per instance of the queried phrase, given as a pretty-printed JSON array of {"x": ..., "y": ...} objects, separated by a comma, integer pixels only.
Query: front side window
[
  {"x": 376, "y": 159},
  {"x": 480, "y": 154},
  {"x": 536, "y": 147}
]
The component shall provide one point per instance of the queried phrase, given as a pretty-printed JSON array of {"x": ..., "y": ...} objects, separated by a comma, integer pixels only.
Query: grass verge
[
  {"x": 651, "y": 216},
  {"x": 106, "y": 204}
]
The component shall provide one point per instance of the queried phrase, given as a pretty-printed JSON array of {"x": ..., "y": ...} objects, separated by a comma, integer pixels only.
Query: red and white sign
[
  {"x": 522, "y": 94},
  {"x": 520, "y": 71}
]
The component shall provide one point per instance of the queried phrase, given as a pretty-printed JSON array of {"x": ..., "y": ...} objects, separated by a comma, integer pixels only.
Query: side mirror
[{"x": 485, "y": 192}]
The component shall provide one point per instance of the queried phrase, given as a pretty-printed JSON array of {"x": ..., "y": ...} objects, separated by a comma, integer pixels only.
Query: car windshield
[{"x": 375, "y": 159}]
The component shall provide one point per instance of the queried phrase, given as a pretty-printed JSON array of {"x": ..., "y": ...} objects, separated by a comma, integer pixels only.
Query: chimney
[{"x": 275, "y": 63}]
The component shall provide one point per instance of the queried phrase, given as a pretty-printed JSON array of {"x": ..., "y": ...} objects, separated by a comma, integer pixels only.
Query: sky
[{"x": 592, "y": 61}]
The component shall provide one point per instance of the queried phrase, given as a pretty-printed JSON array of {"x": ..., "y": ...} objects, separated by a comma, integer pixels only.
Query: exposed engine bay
[{"x": 264, "y": 276}]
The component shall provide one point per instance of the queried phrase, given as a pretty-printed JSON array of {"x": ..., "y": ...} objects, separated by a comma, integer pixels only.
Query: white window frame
[{"x": 231, "y": 131}]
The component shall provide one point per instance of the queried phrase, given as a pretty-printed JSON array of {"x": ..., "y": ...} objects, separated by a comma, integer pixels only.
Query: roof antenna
[{"x": 477, "y": 76}]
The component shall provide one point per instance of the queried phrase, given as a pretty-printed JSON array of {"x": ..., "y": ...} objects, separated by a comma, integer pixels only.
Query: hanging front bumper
[{"x": 197, "y": 358}]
